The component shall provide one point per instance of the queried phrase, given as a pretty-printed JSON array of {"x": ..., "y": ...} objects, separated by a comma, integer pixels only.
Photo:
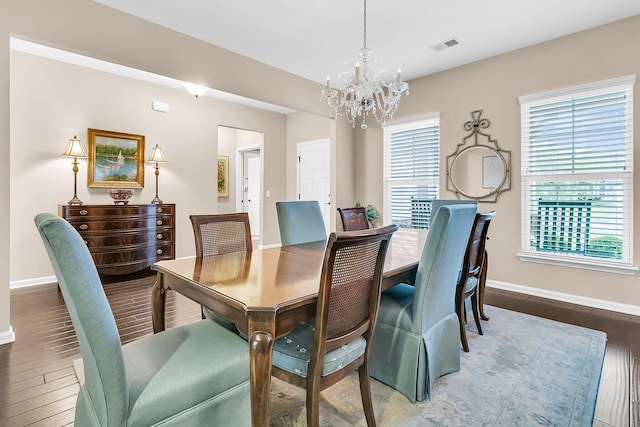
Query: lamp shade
[
  {"x": 74, "y": 148},
  {"x": 156, "y": 155}
]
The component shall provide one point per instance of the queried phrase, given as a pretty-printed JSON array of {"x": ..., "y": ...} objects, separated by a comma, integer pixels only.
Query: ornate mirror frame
[{"x": 472, "y": 175}]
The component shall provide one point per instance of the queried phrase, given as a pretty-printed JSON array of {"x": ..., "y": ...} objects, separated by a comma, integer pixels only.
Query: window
[
  {"x": 411, "y": 171},
  {"x": 577, "y": 170}
]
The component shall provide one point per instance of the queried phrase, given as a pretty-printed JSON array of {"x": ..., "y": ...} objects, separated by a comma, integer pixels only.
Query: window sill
[{"x": 587, "y": 264}]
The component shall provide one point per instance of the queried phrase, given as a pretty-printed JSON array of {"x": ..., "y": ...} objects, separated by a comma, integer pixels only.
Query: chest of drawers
[{"x": 124, "y": 239}]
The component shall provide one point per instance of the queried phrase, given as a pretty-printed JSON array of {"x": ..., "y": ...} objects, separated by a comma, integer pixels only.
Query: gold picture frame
[
  {"x": 116, "y": 159},
  {"x": 223, "y": 176}
]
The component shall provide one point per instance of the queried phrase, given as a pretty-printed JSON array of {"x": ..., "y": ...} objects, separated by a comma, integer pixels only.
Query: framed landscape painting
[
  {"x": 223, "y": 176},
  {"x": 116, "y": 159}
]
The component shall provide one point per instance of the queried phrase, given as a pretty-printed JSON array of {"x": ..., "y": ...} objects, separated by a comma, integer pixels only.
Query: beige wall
[
  {"x": 51, "y": 101},
  {"x": 6, "y": 334},
  {"x": 494, "y": 85}
]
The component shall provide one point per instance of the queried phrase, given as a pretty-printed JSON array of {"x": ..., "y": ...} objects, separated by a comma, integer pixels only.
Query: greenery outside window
[
  {"x": 577, "y": 172},
  {"x": 411, "y": 171}
]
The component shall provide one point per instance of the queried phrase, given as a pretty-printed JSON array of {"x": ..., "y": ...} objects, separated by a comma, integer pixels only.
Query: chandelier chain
[{"x": 365, "y": 25}]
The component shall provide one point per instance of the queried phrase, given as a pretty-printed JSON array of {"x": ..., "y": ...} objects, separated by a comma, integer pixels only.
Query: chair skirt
[{"x": 411, "y": 363}]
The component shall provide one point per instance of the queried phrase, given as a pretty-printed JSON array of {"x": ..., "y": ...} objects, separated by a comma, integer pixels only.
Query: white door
[
  {"x": 314, "y": 176},
  {"x": 253, "y": 194}
]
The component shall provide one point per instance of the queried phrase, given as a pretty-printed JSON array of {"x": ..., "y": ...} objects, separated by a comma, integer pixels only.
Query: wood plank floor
[{"x": 38, "y": 386}]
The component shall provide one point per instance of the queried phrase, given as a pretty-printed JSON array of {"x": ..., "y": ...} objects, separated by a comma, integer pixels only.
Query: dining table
[{"x": 266, "y": 292}]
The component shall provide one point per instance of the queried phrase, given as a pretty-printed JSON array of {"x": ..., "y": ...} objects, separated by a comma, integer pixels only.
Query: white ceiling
[{"x": 314, "y": 39}]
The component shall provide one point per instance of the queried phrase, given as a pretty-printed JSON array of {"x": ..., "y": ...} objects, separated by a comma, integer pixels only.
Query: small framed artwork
[
  {"x": 116, "y": 159},
  {"x": 223, "y": 176}
]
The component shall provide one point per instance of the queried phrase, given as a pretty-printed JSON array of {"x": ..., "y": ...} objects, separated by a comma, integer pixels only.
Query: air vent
[{"x": 445, "y": 44}]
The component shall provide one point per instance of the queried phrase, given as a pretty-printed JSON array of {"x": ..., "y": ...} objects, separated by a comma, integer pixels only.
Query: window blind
[
  {"x": 577, "y": 173},
  {"x": 411, "y": 171}
]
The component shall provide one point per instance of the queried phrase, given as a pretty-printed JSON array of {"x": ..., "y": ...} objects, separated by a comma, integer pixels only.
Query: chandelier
[{"x": 365, "y": 90}]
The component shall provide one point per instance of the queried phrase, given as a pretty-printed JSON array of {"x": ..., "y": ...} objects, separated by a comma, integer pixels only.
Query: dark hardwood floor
[{"x": 38, "y": 386}]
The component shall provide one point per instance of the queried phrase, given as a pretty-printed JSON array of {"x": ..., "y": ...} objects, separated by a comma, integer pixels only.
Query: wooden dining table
[{"x": 266, "y": 292}]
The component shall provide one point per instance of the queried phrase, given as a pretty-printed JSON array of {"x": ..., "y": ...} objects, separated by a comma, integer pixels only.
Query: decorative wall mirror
[{"x": 479, "y": 169}]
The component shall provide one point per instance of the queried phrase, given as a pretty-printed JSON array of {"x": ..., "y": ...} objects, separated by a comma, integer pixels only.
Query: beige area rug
[{"x": 524, "y": 371}]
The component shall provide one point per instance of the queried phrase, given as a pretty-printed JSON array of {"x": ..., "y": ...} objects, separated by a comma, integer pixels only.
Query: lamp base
[
  {"x": 75, "y": 201},
  {"x": 155, "y": 201}
]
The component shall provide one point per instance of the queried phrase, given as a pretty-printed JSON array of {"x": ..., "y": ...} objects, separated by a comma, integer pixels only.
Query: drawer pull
[
  {"x": 83, "y": 212},
  {"x": 159, "y": 236},
  {"x": 159, "y": 210},
  {"x": 159, "y": 251},
  {"x": 86, "y": 243},
  {"x": 159, "y": 222},
  {"x": 83, "y": 226}
]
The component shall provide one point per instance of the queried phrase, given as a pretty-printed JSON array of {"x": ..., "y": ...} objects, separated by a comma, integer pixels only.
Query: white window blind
[
  {"x": 411, "y": 171},
  {"x": 577, "y": 168}
]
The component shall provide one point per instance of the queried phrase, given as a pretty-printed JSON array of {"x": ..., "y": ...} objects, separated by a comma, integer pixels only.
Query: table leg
[
  {"x": 261, "y": 332},
  {"x": 483, "y": 280},
  {"x": 158, "y": 301}
]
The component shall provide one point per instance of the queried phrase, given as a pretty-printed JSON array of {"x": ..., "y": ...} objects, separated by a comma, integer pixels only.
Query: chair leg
[
  {"x": 476, "y": 312},
  {"x": 365, "y": 393},
  {"x": 482, "y": 284},
  {"x": 463, "y": 329},
  {"x": 313, "y": 406}
]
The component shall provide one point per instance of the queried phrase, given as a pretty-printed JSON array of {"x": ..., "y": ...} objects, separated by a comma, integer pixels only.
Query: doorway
[
  {"x": 314, "y": 181},
  {"x": 249, "y": 166}
]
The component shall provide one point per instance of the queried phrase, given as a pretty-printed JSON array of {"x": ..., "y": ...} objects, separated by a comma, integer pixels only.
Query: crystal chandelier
[{"x": 365, "y": 89}]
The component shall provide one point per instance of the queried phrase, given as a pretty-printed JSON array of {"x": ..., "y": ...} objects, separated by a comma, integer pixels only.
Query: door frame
[
  {"x": 328, "y": 224},
  {"x": 240, "y": 180}
]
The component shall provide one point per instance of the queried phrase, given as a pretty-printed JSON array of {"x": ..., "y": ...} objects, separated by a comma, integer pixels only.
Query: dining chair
[
  {"x": 195, "y": 374},
  {"x": 416, "y": 337},
  {"x": 300, "y": 221},
  {"x": 218, "y": 234},
  {"x": 321, "y": 351},
  {"x": 467, "y": 288},
  {"x": 354, "y": 218},
  {"x": 437, "y": 203}
]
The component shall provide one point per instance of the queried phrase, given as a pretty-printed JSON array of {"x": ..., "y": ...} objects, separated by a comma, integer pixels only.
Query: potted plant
[{"x": 372, "y": 213}]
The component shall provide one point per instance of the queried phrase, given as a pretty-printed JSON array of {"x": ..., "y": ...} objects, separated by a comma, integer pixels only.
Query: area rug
[{"x": 524, "y": 371}]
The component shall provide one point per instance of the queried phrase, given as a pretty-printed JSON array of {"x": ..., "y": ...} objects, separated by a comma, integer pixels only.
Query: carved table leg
[
  {"x": 483, "y": 280},
  {"x": 260, "y": 348},
  {"x": 158, "y": 300},
  {"x": 262, "y": 330}
]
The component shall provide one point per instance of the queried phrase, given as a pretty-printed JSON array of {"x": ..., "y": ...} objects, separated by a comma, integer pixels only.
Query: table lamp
[
  {"x": 157, "y": 157},
  {"x": 74, "y": 149}
]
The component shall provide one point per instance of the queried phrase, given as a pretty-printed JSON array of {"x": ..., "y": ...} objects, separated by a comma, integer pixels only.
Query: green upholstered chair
[
  {"x": 217, "y": 234},
  {"x": 416, "y": 338},
  {"x": 321, "y": 351},
  {"x": 467, "y": 289},
  {"x": 300, "y": 222},
  {"x": 191, "y": 375},
  {"x": 436, "y": 203}
]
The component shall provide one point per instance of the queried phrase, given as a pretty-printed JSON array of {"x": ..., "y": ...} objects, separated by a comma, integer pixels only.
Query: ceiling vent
[{"x": 444, "y": 45}]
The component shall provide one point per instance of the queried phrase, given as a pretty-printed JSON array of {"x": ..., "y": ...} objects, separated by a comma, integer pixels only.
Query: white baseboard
[
  {"x": 573, "y": 299},
  {"x": 32, "y": 282},
  {"x": 7, "y": 337},
  {"x": 275, "y": 245}
]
